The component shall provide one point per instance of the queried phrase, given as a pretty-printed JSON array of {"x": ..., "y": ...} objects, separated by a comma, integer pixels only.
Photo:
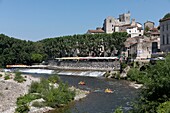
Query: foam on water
[
  {"x": 39, "y": 71},
  {"x": 83, "y": 73},
  {"x": 70, "y": 73}
]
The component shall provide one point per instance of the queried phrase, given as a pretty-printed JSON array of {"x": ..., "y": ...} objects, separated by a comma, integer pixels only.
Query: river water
[{"x": 98, "y": 101}]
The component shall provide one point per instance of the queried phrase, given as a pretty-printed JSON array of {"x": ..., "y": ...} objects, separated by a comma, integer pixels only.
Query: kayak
[
  {"x": 108, "y": 91},
  {"x": 81, "y": 83}
]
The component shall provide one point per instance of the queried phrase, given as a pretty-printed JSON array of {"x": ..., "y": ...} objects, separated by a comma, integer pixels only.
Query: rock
[{"x": 79, "y": 93}]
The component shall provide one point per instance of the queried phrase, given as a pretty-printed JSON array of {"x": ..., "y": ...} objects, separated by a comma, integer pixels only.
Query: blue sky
[{"x": 38, "y": 19}]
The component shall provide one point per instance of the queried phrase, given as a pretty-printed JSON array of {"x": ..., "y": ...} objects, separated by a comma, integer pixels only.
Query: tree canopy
[
  {"x": 16, "y": 51},
  {"x": 166, "y": 16}
]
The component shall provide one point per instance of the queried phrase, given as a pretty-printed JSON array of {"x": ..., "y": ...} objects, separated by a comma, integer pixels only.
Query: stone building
[
  {"x": 141, "y": 47},
  {"x": 149, "y": 24},
  {"x": 165, "y": 33},
  {"x": 123, "y": 24}
]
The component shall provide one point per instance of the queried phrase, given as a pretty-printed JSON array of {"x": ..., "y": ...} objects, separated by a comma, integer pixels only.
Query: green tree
[{"x": 36, "y": 58}]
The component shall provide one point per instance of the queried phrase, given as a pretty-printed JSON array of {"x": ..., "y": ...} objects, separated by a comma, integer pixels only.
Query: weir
[{"x": 81, "y": 66}]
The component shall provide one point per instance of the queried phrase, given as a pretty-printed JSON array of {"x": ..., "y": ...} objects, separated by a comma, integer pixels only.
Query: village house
[
  {"x": 165, "y": 33},
  {"x": 141, "y": 47}
]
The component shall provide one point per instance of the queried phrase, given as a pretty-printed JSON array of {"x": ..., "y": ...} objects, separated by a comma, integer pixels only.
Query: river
[{"x": 98, "y": 101}]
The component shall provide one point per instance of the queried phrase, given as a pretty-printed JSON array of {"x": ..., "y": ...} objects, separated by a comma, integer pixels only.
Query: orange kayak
[
  {"x": 108, "y": 91},
  {"x": 81, "y": 83}
]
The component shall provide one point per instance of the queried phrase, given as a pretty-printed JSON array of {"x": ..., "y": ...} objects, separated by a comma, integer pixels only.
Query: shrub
[
  {"x": 23, "y": 102},
  {"x": 27, "y": 99},
  {"x": 136, "y": 75},
  {"x": 118, "y": 110},
  {"x": 57, "y": 96},
  {"x": 22, "y": 109},
  {"x": 34, "y": 87},
  {"x": 6, "y": 77},
  {"x": 0, "y": 75},
  {"x": 39, "y": 87},
  {"x": 54, "y": 79},
  {"x": 19, "y": 78},
  {"x": 164, "y": 107}
]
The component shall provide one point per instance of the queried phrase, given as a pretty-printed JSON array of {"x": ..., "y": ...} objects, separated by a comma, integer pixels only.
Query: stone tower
[{"x": 125, "y": 18}]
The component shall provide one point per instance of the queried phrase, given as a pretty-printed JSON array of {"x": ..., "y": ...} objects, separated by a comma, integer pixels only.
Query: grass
[
  {"x": 19, "y": 78},
  {"x": 7, "y": 77}
]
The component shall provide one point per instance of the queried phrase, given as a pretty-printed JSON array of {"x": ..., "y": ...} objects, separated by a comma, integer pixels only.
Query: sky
[{"x": 39, "y": 19}]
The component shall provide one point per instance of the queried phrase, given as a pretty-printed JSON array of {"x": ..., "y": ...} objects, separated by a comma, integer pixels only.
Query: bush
[
  {"x": 118, "y": 110},
  {"x": 19, "y": 78},
  {"x": 27, "y": 99},
  {"x": 0, "y": 75},
  {"x": 58, "y": 96},
  {"x": 34, "y": 87},
  {"x": 54, "y": 79},
  {"x": 136, "y": 75},
  {"x": 164, "y": 107},
  {"x": 6, "y": 77},
  {"x": 22, "y": 109},
  {"x": 39, "y": 87},
  {"x": 23, "y": 102}
]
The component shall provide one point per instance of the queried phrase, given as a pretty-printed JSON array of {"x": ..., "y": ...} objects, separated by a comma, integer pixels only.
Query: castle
[{"x": 121, "y": 24}]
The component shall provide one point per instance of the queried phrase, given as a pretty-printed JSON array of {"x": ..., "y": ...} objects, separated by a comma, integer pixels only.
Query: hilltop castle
[{"x": 121, "y": 24}]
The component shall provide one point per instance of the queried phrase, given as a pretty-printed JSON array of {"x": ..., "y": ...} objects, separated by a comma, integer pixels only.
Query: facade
[
  {"x": 141, "y": 47},
  {"x": 165, "y": 34},
  {"x": 109, "y": 24}
]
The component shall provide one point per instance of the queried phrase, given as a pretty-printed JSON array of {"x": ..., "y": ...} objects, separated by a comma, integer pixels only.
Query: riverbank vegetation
[
  {"x": 155, "y": 94},
  {"x": 52, "y": 91},
  {"x": 16, "y": 51}
]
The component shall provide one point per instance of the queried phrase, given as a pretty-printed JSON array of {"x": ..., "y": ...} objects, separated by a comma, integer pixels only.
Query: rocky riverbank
[{"x": 11, "y": 90}]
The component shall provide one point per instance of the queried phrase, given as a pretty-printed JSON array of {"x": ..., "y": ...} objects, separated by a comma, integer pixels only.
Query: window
[
  {"x": 110, "y": 21},
  {"x": 167, "y": 39},
  {"x": 167, "y": 27},
  {"x": 163, "y": 41},
  {"x": 162, "y": 27}
]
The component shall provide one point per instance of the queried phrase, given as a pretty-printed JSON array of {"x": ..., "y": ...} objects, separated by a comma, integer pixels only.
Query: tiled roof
[
  {"x": 131, "y": 26},
  {"x": 140, "y": 28},
  {"x": 162, "y": 20},
  {"x": 154, "y": 29},
  {"x": 95, "y": 31}
]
